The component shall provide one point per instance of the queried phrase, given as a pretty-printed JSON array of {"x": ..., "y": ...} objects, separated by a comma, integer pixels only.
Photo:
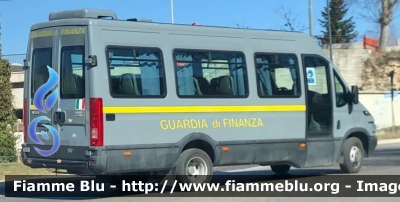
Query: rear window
[
  {"x": 41, "y": 58},
  {"x": 72, "y": 76}
]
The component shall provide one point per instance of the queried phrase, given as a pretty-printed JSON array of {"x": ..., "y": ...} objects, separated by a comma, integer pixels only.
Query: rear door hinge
[{"x": 26, "y": 65}]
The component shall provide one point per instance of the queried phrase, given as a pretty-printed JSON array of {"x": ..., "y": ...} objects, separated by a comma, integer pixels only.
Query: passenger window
[
  {"x": 136, "y": 72},
  {"x": 42, "y": 57},
  {"x": 341, "y": 92},
  {"x": 72, "y": 76},
  {"x": 210, "y": 74},
  {"x": 277, "y": 75}
]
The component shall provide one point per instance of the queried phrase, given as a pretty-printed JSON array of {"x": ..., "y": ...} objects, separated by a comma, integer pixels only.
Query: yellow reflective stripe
[{"x": 203, "y": 109}]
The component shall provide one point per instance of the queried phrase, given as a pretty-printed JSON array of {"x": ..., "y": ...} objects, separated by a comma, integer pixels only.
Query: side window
[
  {"x": 210, "y": 74},
  {"x": 136, "y": 72},
  {"x": 277, "y": 75},
  {"x": 72, "y": 76},
  {"x": 340, "y": 92}
]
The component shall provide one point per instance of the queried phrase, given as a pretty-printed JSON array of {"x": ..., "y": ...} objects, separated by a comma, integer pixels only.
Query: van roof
[{"x": 107, "y": 18}]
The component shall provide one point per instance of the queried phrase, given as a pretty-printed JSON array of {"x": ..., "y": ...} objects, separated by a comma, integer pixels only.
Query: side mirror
[{"x": 354, "y": 93}]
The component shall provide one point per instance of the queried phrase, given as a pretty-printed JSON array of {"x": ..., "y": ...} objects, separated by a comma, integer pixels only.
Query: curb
[{"x": 390, "y": 141}]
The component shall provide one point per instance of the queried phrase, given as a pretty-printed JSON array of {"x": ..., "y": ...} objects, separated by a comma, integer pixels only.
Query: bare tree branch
[
  {"x": 393, "y": 4},
  {"x": 290, "y": 22},
  {"x": 380, "y": 12}
]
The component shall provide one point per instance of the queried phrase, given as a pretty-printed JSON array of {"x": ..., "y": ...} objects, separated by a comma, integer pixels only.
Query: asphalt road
[{"x": 384, "y": 161}]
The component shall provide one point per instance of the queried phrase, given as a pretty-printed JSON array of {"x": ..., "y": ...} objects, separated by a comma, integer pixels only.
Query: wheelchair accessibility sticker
[{"x": 311, "y": 80}]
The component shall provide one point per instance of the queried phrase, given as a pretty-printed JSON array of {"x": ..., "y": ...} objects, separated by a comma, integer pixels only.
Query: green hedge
[{"x": 7, "y": 116}]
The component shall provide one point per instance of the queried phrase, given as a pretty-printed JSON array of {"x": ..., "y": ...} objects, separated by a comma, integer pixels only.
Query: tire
[
  {"x": 280, "y": 169},
  {"x": 353, "y": 155},
  {"x": 198, "y": 158}
]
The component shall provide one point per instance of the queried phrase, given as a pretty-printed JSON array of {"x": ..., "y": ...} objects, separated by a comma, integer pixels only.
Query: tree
[
  {"x": 378, "y": 11},
  {"x": 342, "y": 30},
  {"x": 7, "y": 115}
]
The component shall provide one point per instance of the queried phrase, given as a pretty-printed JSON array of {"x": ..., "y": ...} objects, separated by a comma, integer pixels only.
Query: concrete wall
[
  {"x": 18, "y": 97},
  {"x": 381, "y": 108},
  {"x": 18, "y": 92},
  {"x": 350, "y": 63}
]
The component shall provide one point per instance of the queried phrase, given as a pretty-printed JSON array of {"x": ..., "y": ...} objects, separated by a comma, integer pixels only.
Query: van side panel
[{"x": 155, "y": 130}]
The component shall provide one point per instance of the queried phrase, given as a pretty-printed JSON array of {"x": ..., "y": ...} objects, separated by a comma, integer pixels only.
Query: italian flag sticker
[{"x": 80, "y": 104}]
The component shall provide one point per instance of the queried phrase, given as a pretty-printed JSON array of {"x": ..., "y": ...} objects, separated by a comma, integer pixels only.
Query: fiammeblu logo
[{"x": 44, "y": 106}]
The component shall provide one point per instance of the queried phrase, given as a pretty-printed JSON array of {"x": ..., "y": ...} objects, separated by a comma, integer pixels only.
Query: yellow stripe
[
  {"x": 200, "y": 109},
  {"x": 203, "y": 109}
]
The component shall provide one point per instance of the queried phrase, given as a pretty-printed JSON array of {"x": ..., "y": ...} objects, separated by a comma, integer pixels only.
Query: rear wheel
[
  {"x": 194, "y": 166},
  {"x": 353, "y": 155},
  {"x": 280, "y": 169}
]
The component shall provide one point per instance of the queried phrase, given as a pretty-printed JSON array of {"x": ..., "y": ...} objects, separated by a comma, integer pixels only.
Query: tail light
[
  {"x": 96, "y": 122},
  {"x": 25, "y": 120}
]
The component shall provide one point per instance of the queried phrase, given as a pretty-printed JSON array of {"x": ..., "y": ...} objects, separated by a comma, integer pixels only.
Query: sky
[{"x": 17, "y": 16}]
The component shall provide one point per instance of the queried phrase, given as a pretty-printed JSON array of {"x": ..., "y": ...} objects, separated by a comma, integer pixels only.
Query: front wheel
[
  {"x": 194, "y": 166},
  {"x": 353, "y": 155}
]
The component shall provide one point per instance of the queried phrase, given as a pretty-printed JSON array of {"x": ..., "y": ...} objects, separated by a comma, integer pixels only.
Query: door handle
[
  {"x": 60, "y": 116},
  {"x": 338, "y": 125}
]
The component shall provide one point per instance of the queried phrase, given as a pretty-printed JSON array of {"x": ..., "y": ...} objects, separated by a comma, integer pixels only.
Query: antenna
[{"x": 172, "y": 11}]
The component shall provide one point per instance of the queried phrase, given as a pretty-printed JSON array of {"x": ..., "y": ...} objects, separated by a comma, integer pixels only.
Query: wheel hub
[
  {"x": 355, "y": 156},
  {"x": 196, "y": 166},
  {"x": 191, "y": 170}
]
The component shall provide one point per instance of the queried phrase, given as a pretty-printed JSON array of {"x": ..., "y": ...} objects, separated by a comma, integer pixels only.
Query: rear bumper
[
  {"x": 75, "y": 167},
  {"x": 107, "y": 159},
  {"x": 95, "y": 163}
]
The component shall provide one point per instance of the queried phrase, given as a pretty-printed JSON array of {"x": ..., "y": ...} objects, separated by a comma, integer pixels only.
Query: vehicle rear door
[
  {"x": 70, "y": 109},
  {"x": 41, "y": 80}
]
